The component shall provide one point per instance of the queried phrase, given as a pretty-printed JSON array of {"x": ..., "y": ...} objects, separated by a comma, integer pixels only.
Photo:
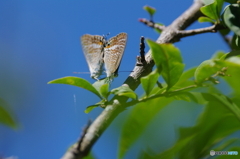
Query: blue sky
[{"x": 39, "y": 42}]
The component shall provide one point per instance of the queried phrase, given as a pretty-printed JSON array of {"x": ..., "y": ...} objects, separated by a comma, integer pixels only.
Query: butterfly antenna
[{"x": 105, "y": 36}]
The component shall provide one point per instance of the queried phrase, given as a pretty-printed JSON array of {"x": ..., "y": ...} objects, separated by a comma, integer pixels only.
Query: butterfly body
[{"x": 99, "y": 51}]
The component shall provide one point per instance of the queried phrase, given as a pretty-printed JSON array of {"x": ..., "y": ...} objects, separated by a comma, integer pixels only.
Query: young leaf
[
  {"x": 149, "y": 81},
  {"x": 168, "y": 59},
  {"x": 213, "y": 10},
  {"x": 150, "y": 10},
  {"x": 205, "y": 19},
  {"x": 104, "y": 90},
  {"x": 76, "y": 81},
  {"x": 124, "y": 91},
  {"x": 205, "y": 70},
  {"x": 231, "y": 16},
  {"x": 90, "y": 108}
]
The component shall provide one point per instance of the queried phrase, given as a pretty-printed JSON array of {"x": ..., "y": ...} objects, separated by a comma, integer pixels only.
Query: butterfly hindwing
[
  {"x": 113, "y": 52},
  {"x": 93, "y": 50}
]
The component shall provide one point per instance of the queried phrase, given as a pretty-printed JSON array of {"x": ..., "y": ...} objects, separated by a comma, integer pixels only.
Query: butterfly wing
[
  {"x": 113, "y": 52},
  {"x": 93, "y": 51}
]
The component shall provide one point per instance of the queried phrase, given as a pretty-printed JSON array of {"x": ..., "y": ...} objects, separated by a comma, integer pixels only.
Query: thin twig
[
  {"x": 150, "y": 23},
  {"x": 163, "y": 94},
  {"x": 211, "y": 29}
]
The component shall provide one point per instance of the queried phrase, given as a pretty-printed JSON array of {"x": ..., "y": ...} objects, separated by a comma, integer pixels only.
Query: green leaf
[
  {"x": 150, "y": 10},
  {"x": 191, "y": 96},
  {"x": 137, "y": 121},
  {"x": 225, "y": 101},
  {"x": 205, "y": 70},
  {"x": 213, "y": 125},
  {"x": 90, "y": 156},
  {"x": 6, "y": 118},
  {"x": 213, "y": 10},
  {"x": 104, "y": 90},
  {"x": 231, "y": 16},
  {"x": 226, "y": 144},
  {"x": 218, "y": 55},
  {"x": 185, "y": 80},
  {"x": 76, "y": 81},
  {"x": 205, "y": 19},
  {"x": 90, "y": 108},
  {"x": 168, "y": 61},
  {"x": 148, "y": 82},
  {"x": 124, "y": 91},
  {"x": 206, "y": 2},
  {"x": 231, "y": 54},
  {"x": 233, "y": 65}
]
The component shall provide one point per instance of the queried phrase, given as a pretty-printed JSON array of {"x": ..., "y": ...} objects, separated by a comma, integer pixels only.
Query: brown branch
[
  {"x": 111, "y": 111},
  {"x": 185, "y": 33},
  {"x": 150, "y": 23}
]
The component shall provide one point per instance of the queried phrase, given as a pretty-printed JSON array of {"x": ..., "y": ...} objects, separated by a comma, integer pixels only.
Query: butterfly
[{"x": 98, "y": 51}]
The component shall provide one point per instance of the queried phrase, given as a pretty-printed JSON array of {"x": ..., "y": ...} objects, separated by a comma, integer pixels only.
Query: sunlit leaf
[
  {"x": 104, "y": 90},
  {"x": 150, "y": 10},
  {"x": 218, "y": 55},
  {"x": 76, "y": 81},
  {"x": 186, "y": 79},
  {"x": 124, "y": 91},
  {"x": 90, "y": 108},
  {"x": 205, "y": 19},
  {"x": 149, "y": 81},
  {"x": 205, "y": 70},
  {"x": 213, "y": 10},
  {"x": 168, "y": 61}
]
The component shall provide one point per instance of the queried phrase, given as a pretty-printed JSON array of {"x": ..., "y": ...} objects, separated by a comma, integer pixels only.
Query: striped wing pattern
[
  {"x": 113, "y": 52},
  {"x": 98, "y": 51},
  {"x": 93, "y": 50}
]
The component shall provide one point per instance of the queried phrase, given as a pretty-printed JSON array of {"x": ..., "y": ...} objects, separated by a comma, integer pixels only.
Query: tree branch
[
  {"x": 212, "y": 29},
  {"x": 111, "y": 111},
  {"x": 152, "y": 24}
]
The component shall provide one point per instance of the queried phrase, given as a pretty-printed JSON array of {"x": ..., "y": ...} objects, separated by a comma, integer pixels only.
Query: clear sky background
[{"x": 39, "y": 42}]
